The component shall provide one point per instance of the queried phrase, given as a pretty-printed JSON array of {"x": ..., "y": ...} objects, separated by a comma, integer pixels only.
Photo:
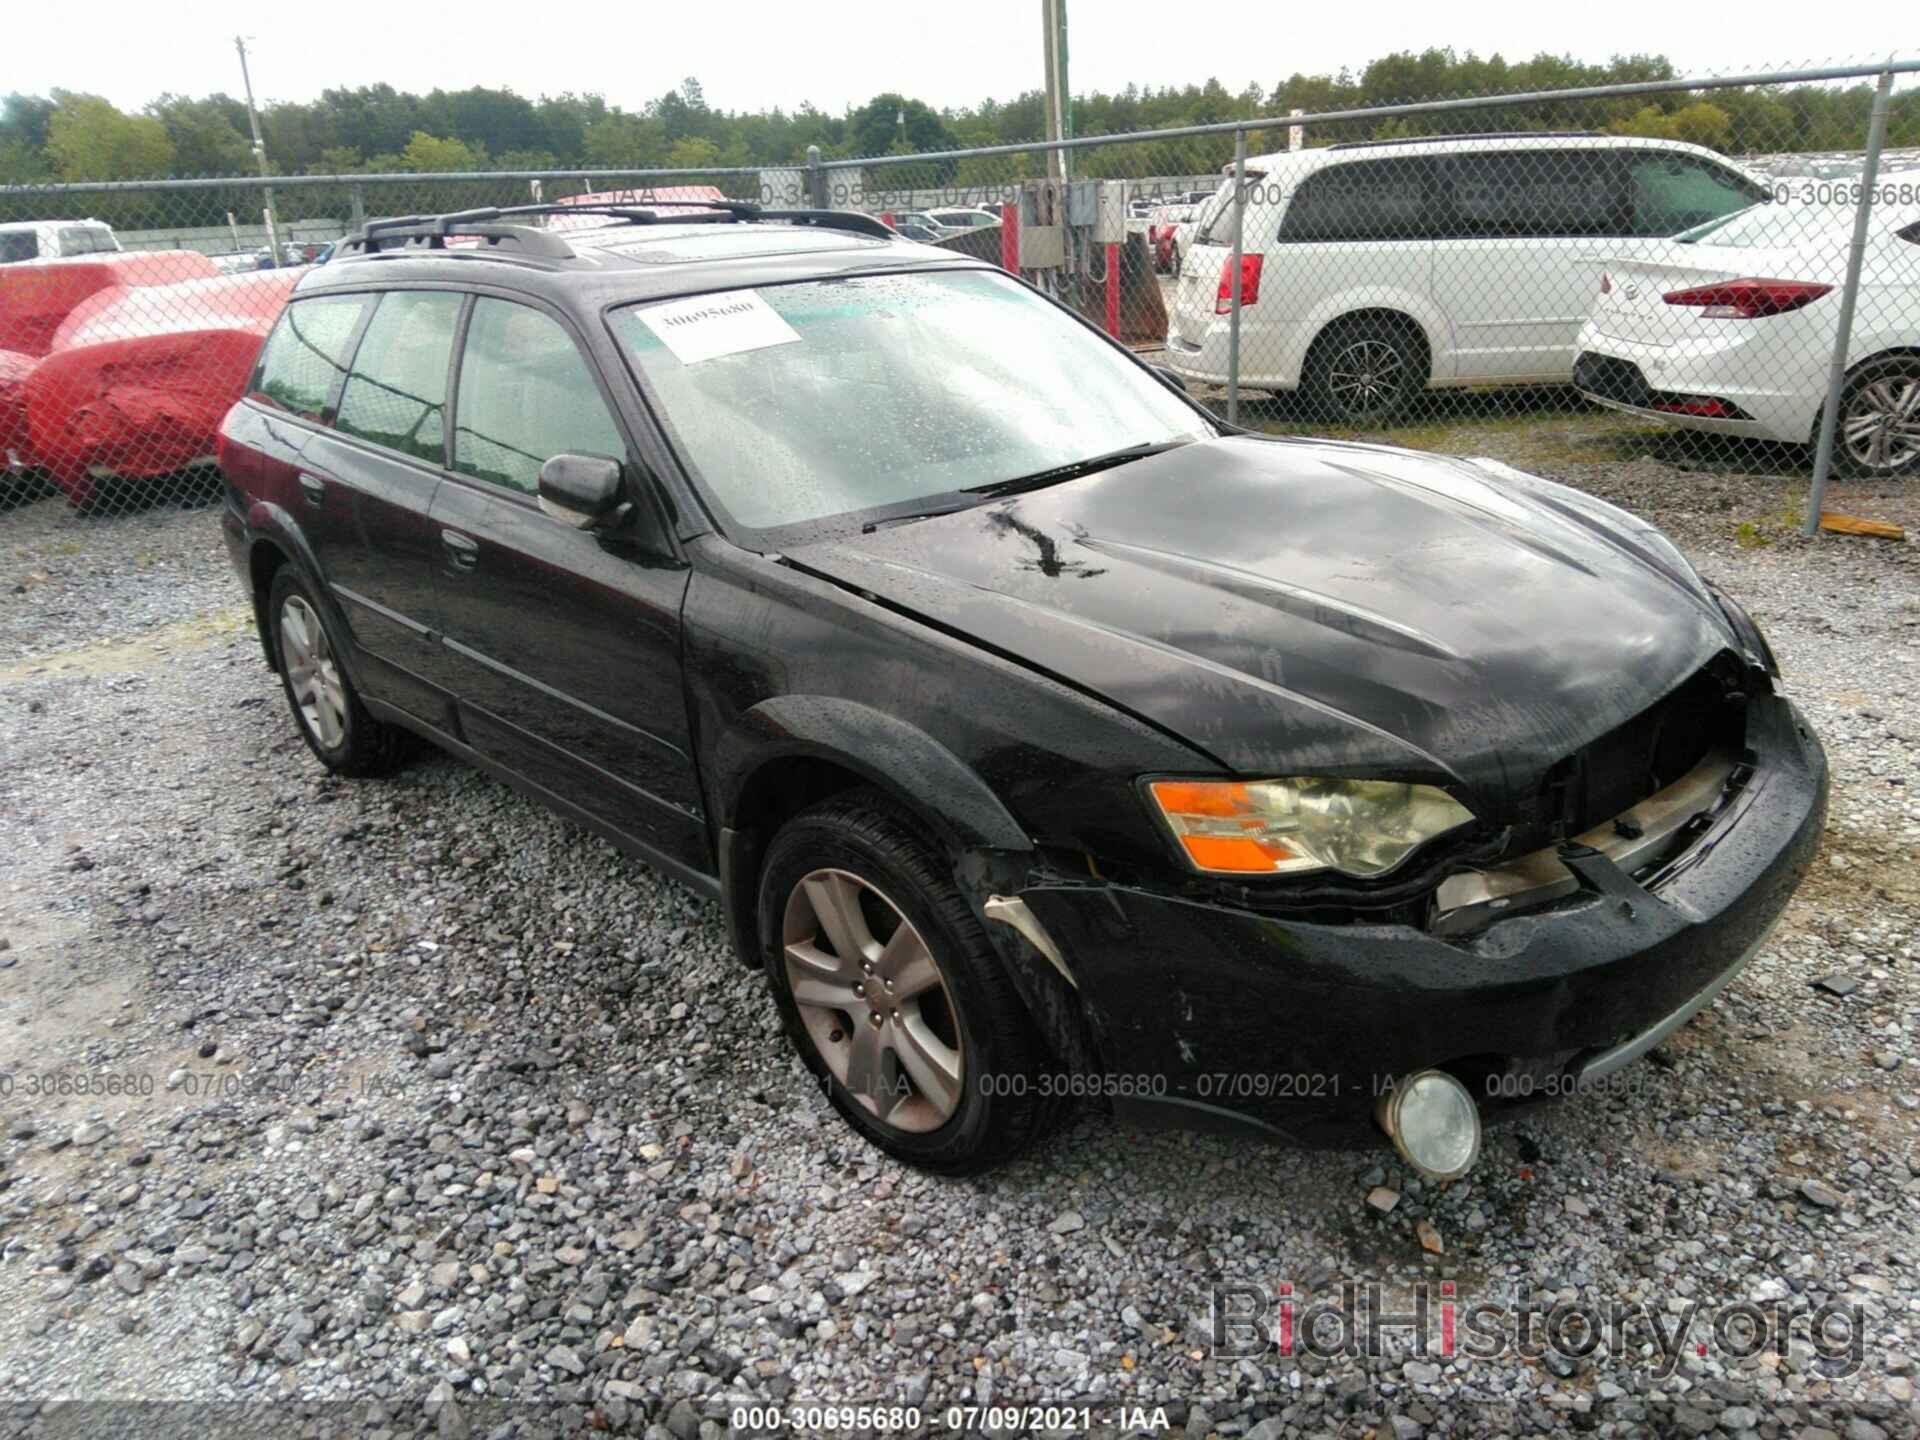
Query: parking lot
[{"x": 408, "y": 1090}]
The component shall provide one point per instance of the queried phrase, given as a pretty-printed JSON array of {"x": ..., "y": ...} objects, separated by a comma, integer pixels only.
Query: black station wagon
[{"x": 1042, "y": 737}]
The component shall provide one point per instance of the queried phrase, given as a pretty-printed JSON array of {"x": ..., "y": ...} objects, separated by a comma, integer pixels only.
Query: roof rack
[
  {"x": 1481, "y": 135},
  {"x": 485, "y": 224}
]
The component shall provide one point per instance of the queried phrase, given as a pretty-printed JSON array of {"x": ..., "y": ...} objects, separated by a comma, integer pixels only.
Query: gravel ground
[{"x": 409, "y": 1094}]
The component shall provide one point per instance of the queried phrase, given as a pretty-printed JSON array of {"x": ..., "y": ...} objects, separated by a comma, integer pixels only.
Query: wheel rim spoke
[
  {"x": 865, "y": 1076},
  {"x": 823, "y": 962},
  {"x": 929, "y": 1062},
  {"x": 907, "y": 965},
  {"x": 836, "y": 905},
  {"x": 821, "y": 993}
]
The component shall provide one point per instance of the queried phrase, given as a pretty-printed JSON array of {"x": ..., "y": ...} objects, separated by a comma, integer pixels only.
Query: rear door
[
  {"x": 1518, "y": 264},
  {"x": 562, "y": 645},
  {"x": 276, "y": 442},
  {"x": 375, "y": 473}
]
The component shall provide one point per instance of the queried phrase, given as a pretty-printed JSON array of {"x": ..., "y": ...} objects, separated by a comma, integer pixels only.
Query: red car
[
  {"x": 139, "y": 379},
  {"x": 1161, "y": 228}
]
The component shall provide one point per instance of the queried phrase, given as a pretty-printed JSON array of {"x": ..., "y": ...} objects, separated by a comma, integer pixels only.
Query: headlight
[{"x": 1361, "y": 828}]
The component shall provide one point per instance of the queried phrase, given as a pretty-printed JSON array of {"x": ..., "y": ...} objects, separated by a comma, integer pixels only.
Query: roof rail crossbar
[
  {"x": 1481, "y": 135},
  {"x": 644, "y": 213},
  {"x": 850, "y": 220},
  {"x": 486, "y": 224}
]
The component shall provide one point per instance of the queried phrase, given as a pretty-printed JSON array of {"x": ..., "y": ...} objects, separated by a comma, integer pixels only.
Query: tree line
[{"x": 67, "y": 135}]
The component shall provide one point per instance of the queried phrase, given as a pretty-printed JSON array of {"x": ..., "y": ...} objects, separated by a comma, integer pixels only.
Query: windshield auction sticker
[{"x": 710, "y": 326}]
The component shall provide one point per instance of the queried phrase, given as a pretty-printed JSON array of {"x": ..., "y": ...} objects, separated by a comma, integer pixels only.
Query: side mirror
[
  {"x": 581, "y": 490},
  {"x": 1171, "y": 379}
]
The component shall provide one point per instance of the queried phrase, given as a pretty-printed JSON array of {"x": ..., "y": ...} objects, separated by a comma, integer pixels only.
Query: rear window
[
  {"x": 1363, "y": 200},
  {"x": 307, "y": 353},
  {"x": 1215, "y": 223}
]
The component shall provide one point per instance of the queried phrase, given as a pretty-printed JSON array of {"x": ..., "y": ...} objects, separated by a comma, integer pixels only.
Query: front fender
[{"x": 893, "y": 755}]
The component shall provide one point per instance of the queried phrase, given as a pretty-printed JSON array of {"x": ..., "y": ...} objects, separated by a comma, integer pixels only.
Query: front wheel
[
  {"x": 1879, "y": 432},
  {"x": 891, "y": 992}
]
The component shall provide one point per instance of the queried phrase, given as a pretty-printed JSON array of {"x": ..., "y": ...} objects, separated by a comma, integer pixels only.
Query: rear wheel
[
  {"x": 1879, "y": 431},
  {"x": 1366, "y": 371},
  {"x": 333, "y": 722},
  {"x": 891, "y": 992}
]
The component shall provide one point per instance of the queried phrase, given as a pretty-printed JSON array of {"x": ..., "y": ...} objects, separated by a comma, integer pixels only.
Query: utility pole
[
  {"x": 259, "y": 150},
  {"x": 1059, "y": 97}
]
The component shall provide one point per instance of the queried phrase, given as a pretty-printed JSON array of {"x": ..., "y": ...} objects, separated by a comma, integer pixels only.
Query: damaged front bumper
[{"x": 1206, "y": 1014}]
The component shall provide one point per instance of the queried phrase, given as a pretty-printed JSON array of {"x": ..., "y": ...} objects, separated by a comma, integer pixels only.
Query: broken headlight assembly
[{"x": 1361, "y": 828}]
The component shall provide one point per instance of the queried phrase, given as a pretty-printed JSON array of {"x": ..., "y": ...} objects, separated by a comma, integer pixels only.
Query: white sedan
[{"x": 1731, "y": 330}]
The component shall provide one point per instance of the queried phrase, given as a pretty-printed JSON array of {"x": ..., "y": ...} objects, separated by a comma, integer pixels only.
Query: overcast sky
[{"x": 750, "y": 55}]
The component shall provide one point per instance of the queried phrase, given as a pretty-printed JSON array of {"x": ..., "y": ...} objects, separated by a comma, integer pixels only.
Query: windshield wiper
[
  {"x": 926, "y": 514},
  {"x": 1077, "y": 468},
  {"x": 1034, "y": 481}
]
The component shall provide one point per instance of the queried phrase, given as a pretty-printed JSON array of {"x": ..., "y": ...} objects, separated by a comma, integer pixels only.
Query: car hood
[{"x": 1295, "y": 607}]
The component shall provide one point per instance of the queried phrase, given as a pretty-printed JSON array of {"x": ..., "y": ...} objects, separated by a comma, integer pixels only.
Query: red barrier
[
  {"x": 37, "y": 295},
  {"x": 1113, "y": 291},
  {"x": 1010, "y": 238},
  {"x": 142, "y": 378}
]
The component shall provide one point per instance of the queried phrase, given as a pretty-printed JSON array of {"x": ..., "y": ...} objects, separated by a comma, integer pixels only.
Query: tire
[
  {"x": 1879, "y": 431},
  {"x": 1366, "y": 371},
  {"x": 858, "y": 861},
  {"x": 328, "y": 712}
]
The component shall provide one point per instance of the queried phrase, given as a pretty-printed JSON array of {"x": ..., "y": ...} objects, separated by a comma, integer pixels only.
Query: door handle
[
  {"x": 313, "y": 487},
  {"x": 463, "y": 551}
]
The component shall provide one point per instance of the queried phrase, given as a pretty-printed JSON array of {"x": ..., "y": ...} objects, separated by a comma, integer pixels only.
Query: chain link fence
[{"x": 1717, "y": 273}]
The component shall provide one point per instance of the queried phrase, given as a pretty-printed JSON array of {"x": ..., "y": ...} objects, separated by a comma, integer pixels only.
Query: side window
[
  {"x": 1363, "y": 200},
  {"x": 18, "y": 245},
  {"x": 526, "y": 395},
  {"x": 1674, "y": 192},
  {"x": 84, "y": 240},
  {"x": 397, "y": 393},
  {"x": 1536, "y": 193},
  {"x": 307, "y": 353}
]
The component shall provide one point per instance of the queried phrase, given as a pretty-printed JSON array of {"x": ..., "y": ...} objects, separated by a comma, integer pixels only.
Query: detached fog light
[{"x": 1433, "y": 1123}]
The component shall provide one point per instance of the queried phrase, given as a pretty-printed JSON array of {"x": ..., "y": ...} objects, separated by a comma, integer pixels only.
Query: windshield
[{"x": 831, "y": 400}]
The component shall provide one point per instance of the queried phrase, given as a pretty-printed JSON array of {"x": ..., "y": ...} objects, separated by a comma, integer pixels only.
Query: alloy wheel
[
  {"x": 1365, "y": 377},
  {"x": 1881, "y": 427},
  {"x": 312, "y": 673},
  {"x": 873, "y": 1000}
]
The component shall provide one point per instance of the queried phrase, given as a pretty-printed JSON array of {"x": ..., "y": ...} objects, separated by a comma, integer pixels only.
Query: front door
[{"x": 562, "y": 646}]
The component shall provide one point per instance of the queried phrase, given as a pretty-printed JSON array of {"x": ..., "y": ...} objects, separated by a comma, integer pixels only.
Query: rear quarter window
[
  {"x": 1672, "y": 192},
  {"x": 306, "y": 355},
  {"x": 19, "y": 245}
]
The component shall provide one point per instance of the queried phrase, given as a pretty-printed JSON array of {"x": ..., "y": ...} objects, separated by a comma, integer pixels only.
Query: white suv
[{"x": 1375, "y": 270}]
